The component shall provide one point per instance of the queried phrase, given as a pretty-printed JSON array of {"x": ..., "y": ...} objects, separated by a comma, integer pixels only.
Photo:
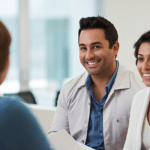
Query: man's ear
[{"x": 116, "y": 48}]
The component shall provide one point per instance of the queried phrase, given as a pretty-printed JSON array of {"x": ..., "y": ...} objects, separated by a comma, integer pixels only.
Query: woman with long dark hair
[{"x": 138, "y": 136}]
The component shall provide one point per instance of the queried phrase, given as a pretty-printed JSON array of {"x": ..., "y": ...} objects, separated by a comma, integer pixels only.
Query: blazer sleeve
[
  {"x": 132, "y": 123},
  {"x": 60, "y": 120}
]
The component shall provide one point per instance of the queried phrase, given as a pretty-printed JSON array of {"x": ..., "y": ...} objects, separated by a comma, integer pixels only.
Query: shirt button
[
  {"x": 117, "y": 120},
  {"x": 98, "y": 143},
  {"x": 82, "y": 141}
]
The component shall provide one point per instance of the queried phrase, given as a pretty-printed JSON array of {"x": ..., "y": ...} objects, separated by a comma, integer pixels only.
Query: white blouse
[{"x": 146, "y": 135}]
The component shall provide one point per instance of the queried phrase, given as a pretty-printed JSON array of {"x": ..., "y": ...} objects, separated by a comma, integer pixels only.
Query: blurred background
[{"x": 44, "y": 51}]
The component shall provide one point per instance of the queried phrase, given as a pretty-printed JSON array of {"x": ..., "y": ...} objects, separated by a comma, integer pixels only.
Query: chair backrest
[
  {"x": 27, "y": 96},
  {"x": 56, "y": 98}
]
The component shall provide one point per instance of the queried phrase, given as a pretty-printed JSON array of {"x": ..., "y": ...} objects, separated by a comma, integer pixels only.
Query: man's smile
[{"x": 92, "y": 62}]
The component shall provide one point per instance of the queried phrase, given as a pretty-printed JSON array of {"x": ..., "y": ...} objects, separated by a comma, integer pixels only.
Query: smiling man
[
  {"x": 95, "y": 107},
  {"x": 95, "y": 54}
]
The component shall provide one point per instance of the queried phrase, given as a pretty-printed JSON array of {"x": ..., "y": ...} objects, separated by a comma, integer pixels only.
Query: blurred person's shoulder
[{"x": 11, "y": 104}]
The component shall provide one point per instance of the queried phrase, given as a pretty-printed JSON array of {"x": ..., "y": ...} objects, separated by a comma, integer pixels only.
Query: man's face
[{"x": 95, "y": 54}]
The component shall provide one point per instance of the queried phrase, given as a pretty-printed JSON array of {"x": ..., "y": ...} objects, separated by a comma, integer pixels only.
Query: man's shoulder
[
  {"x": 130, "y": 77},
  {"x": 125, "y": 70},
  {"x": 71, "y": 87},
  {"x": 77, "y": 81}
]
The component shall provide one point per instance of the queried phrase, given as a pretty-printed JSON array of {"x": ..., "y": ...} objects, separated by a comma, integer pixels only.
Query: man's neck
[{"x": 101, "y": 80}]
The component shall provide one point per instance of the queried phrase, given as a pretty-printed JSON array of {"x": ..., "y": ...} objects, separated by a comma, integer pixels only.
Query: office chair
[
  {"x": 27, "y": 96},
  {"x": 56, "y": 98}
]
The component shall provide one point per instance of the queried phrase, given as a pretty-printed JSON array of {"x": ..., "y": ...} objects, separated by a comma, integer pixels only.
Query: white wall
[
  {"x": 74, "y": 10},
  {"x": 78, "y": 9},
  {"x": 131, "y": 19},
  {"x": 11, "y": 5}
]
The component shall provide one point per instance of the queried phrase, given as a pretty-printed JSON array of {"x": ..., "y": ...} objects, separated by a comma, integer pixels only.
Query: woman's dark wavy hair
[
  {"x": 144, "y": 38},
  {"x": 99, "y": 23},
  {"x": 5, "y": 40}
]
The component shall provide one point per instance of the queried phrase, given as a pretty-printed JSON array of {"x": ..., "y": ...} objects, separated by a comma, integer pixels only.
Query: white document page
[{"x": 63, "y": 141}]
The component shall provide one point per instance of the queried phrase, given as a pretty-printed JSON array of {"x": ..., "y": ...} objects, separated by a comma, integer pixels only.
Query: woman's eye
[{"x": 140, "y": 59}]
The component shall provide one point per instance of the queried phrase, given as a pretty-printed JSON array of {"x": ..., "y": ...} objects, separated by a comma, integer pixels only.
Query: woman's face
[{"x": 143, "y": 63}]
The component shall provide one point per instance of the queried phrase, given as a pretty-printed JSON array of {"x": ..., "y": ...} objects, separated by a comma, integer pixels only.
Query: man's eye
[
  {"x": 83, "y": 48},
  {"x": 97, "y": 47}
]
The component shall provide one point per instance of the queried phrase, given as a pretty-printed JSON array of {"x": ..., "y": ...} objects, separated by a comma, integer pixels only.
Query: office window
[
  {"x": 54, "y": 44},
  {"x": 49, "y": 50}
]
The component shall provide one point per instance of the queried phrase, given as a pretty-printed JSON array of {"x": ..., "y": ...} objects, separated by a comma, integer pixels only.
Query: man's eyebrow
[
  {"x": 82, "y": 45},
  {"x": 96, "y": 43},
  {"x": 91, "y": 44}
]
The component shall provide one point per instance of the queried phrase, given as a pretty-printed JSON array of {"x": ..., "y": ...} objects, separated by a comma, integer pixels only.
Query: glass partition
[{"x": 54, "y": 50}]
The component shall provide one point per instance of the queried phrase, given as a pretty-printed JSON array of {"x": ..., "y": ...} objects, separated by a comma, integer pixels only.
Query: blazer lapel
[{"x": 122, "y": 81}]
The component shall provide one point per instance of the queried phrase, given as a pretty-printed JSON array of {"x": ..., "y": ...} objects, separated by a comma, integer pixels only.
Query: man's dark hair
[
  {"x": 144, "y": 38},
  {"x": 99, "y": 23},
  {"x": 5, "y": 40}
]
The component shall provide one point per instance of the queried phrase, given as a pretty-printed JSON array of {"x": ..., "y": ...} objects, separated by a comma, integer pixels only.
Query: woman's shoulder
[
  {"x": 141, "y": 96},
  {"x": 144, "y": 92}
]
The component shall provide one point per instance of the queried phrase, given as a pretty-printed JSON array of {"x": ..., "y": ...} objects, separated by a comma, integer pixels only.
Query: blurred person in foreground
[
  {"x": 94, "y": 108},
  {"x": 19, "y": 130},
  {"x": 138, "y": 137}
]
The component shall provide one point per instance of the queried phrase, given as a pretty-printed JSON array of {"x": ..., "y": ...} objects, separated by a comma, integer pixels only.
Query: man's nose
[{"x": 89, "y": 54}]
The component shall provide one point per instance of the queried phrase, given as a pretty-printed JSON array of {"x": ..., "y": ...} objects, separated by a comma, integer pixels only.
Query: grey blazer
[{"x": 74, "y": 102}]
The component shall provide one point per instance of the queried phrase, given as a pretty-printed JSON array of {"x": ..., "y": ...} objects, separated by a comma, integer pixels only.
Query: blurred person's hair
[
  {"x": 144, "y": 38},
  {"x": 99, "y": 23},
  {"x": 5, "y": 40}
]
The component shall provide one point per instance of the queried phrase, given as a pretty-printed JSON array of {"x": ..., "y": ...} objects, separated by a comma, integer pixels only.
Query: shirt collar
[
  {"x": 88, "y": 82},
  {"x": 111, "y": 81},
  {"x": 122, "y": 80}
]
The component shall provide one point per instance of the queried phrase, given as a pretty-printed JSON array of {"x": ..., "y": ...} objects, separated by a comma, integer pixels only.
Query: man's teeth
[
  {"x": 92, "y": 63},
  {"x": 146, "y": 75}
]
